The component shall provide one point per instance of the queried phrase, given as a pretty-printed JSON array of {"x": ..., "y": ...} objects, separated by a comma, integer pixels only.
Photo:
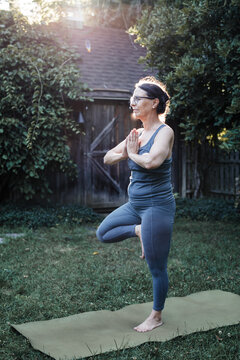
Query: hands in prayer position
[{"x": 132, "y": 142}]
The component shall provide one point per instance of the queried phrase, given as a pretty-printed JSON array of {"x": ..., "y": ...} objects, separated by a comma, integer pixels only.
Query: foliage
[
  {"x": 37, "y": 216},
  {"x": 40, "y": 11},
  {"x": 57, "y": 272},
  {"x": 195, "y": 47},
  {"x": 230, "y": 139},
  {"x": 207, "y": 209},
  {"x": 112, "y": 13},
  {"x": 49, "y": 216},
  {"x": 39, "y": 76}
]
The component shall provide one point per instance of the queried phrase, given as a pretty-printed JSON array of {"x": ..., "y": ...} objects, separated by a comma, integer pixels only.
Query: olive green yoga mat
[{"x": 95, "y": 332}]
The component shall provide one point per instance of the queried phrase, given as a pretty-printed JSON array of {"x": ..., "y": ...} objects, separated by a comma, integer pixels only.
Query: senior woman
[{"x": 149, "y": 213}]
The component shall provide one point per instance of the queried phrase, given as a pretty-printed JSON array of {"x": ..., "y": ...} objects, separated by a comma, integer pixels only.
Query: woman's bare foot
[
  {"x": 153, "y": 321},
  {"x": 138, "y": 233}
]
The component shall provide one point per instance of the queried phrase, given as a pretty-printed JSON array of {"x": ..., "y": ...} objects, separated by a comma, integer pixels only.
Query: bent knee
[{"x": 99, "y": 234}]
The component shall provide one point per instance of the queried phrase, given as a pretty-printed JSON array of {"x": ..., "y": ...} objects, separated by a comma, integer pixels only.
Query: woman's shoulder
[
  {"x": 165, "y": 132},
  {"x": 166, "y": 129}
]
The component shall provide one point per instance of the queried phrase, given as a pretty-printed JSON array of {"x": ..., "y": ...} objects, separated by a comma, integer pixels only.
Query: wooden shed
[{"x": 110, "y": 67}]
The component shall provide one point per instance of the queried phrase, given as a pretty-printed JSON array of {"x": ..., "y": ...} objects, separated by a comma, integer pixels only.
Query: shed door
[{"x": 106, "y": 126}]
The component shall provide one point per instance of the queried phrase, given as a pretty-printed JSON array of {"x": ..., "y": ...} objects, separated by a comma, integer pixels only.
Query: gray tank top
[{"x": 150, "y": 186}]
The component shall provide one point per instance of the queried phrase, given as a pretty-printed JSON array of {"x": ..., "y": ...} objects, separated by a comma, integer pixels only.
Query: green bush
[
  {"x": 194, "y": 45},
  {"x": 39, "y": 81},
  {"x": 207, "y": 209},
  {"x": 49, "y": 216},
  {"x": 37, "y": 216}
]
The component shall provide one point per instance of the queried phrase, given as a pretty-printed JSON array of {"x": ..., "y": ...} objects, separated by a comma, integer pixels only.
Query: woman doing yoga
[{"x": 149, "y": 214}]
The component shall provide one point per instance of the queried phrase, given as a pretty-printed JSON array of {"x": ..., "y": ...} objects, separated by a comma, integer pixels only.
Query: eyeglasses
[{"x": 135, "y": 99}]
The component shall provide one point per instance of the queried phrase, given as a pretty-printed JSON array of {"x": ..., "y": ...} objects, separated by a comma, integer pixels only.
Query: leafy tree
[
  {"x": 39, "y": 77},
  {"x": 110, "y": 13},
  {"x": 114, "y": 13},
  {"x": 195, "y": 47}
]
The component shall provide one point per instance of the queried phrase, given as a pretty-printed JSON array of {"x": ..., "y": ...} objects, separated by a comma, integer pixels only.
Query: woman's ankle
[{"x": 155, "y": 314}]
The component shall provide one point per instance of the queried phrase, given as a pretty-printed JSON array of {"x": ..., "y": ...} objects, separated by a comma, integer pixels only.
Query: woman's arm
[
  {"x": 116, "y": 154},
  {"x": 159, "y": 151}
]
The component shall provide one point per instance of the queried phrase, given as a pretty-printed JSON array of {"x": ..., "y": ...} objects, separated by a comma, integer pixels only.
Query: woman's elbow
[
  {"x": 151, "y": 164},
  {"x": 148, "y": 165},
  {"x": 106, "y": 159}
]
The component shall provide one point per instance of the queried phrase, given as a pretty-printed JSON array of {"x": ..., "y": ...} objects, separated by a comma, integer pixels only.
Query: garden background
[{"x": 50, "y": 258}]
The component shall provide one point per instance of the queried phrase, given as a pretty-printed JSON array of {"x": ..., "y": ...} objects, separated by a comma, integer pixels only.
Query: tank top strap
[
  {"x": 155, "y": 133},
  {"x": 149, "y": 144}
]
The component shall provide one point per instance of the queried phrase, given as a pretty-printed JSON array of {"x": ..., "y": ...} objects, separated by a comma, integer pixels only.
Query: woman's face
[{"x": 141, "y": 104}]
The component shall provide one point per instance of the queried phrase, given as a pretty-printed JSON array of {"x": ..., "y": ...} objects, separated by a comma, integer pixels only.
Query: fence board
[{"x": 222, "y": 178}]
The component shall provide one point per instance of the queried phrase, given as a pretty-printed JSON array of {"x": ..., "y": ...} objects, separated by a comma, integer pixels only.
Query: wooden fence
[{"x": 210, "y": 172}]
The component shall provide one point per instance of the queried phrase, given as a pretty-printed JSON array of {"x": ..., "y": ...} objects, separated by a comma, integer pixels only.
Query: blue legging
[{"x": 156, "y": 230}]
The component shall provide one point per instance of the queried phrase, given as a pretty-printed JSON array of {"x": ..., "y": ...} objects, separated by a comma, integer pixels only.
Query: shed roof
[{"x": 109, "y": 62}]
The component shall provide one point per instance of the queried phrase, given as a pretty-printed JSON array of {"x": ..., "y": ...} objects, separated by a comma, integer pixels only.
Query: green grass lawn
[{"x": 55, "y": 272}]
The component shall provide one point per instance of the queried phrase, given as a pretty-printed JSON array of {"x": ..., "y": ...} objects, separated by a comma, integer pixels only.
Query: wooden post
[
  {"x": 184, "y": 173},
  {"x": 237, "y": 181}
]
